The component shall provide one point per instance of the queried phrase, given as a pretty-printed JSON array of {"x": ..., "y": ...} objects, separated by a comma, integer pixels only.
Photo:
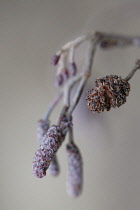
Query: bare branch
[
  {"x": 87, "y": 70},
  {"x": 131, "y": 74}
]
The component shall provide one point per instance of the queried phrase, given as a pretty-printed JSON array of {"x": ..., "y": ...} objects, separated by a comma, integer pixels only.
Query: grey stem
[
  {"x": 52, "y": 105},
  {"x": 131, "y": 74}
]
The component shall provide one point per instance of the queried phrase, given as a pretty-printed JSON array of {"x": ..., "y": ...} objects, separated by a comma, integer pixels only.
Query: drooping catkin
[
  {"x": 75, "y": 170},
  {"x": 51, "y": 142},
  {"x": 42, "y": 128},
  {"x": 110, "y": 91}
]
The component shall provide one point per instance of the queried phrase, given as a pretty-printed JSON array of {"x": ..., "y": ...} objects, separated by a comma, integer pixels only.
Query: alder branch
[
  {"x": 109, "y": 92},
  {"x": 67, "y": 52}
]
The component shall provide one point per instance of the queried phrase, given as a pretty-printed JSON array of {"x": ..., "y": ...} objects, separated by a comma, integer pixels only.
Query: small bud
[
  {"x": 72, "y": 68},
  {"x": 75, "y": 170},
  {"x": 49, "y": 146},
  {"x": 65, "y": 74},
  {"x": 108, "y": 44},
  {"x": 55, "y": 60},
  {"x": 59, "y": 80}
]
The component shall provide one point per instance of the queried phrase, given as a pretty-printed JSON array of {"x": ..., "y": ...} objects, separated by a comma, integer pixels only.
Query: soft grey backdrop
[{"x": 31, "y": 31}]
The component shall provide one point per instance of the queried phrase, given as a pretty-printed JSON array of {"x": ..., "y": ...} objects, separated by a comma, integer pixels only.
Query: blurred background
[{"x": 31, "y": 31}]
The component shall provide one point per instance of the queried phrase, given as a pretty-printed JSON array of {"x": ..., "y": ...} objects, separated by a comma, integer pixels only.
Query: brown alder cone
[
  {"x": 75, "y": 170},
  {"x": 110, "y": 91}
]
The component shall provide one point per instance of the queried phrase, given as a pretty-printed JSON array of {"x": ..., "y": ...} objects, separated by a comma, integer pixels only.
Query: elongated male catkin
[
  {"x": 75, "y": 170},
  {"x": 42, "y": 128},
  {"x": 51, "y": 142}
]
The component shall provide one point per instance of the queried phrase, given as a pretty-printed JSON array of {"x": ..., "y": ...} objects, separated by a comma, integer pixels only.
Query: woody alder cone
[
  {"x": 75, "y": 170},
  {"x": 110, "y": 91}
]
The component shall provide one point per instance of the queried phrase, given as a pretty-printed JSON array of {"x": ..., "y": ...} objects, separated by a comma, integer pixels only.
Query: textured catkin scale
[
  {"x": 54, "y": 167},
  {"x": 51, "y": 142},
  {"x": 49, "y": 146},
  {"x": 75, "y": 170},
  {"x": 110, "y": 91}
]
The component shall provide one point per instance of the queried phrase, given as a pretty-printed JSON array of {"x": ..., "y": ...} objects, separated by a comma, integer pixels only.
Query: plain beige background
[{"x": 31, "y": 31}]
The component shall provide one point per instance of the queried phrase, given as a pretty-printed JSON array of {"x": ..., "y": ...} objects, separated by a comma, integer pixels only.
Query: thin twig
[
  {"x": 87, "y": 70},
  {"x": 66, "y": 98},
  {"x": 71, "y": 139},
  {"x": 118, "y": 40},
  {"x": 68, "y": 87},
  {"x": 62, "y": 114},
  {"x": 136, "y": 67},
  {"x": 52, "y": 106}
]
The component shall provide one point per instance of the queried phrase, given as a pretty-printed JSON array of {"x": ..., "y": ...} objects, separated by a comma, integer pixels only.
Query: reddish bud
[
  {"x": 59, "y": 80},
  {"x": 106, "y": 44},
  {"x": 72, "y": 68},
  {"x": 55, "y": 60},
  {"x": 65, "y": 74}
]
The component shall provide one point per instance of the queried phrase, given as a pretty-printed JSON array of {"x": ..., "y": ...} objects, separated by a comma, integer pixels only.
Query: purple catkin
[
  {"x": 51, "y": 142},
  {"x": 42, "y": 128},
  {"x": 75, "y": 170}
]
